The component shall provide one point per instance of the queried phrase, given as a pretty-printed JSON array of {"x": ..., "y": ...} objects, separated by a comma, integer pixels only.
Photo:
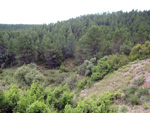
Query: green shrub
[
  {"x": 69, "y": 109},
  {"x": 28, "y": 75},
  {"x": 89, "y": 83},
  {"x": 50, "y": 80},
  {"x": 108, "y": 64},
  {"x": 139, "y": 81},
  {"x": 62, "y": 69},
  {"x": 143, "y": 91},
  {"x": 126, "y": 47},
  {"x": 2, "y": 101},
  {"x": 37, "y": 99},
  {"x": 35, "y": 93},
  {"x": 86, "y": 67},
  {"x": 81, "y": 84},
  {"x": 59, "y": 79},
  {"x": 134, "y": 54},
  {"x": 124, "y": 109},
  {"x": 147, "y": 98},
  {"x": 76, "y": 63},
  {"x": 140, "y": 51},
  {"x": 100, "y": 104},
  {"x": 131, "y": 90},
  {"x": 11, "y": 98},
  {"x": 34, "y": 66},
  {"x": 59, "y": 97},
  {"x": 72, "y": 82},
  {"x": 133, "y": 99},
  {"x": 38, "y": 107},
  {"x": 129, "y": 93},
  {"x": 1, "y": 71},
  {"x": 102, "y": 69},
  {"x": 133, "y": 94}
]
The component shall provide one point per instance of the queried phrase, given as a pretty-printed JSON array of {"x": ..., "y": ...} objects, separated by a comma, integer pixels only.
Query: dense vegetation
[
  {"x": 84, "y": 37},
  {"x": 40, "y": 100},
  {"x": 99, "y": 44}
]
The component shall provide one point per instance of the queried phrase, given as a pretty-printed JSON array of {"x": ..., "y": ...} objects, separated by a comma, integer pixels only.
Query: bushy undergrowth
[
  {"x": 63, "y": 69},
  {"x": 139, "y": 81},
  {"x": 34, "y": 66},
  {"x": 108, "y": 64},
  {"x": 28, "y": 74},
  {"x": 38, "y": 107},
  {"x": 124, "y": 109},
  {"x": 100, "y": 104},
  {"x": 1, "y": 71},
  {"x": 39, "y": 99},
  {"x": 86, "y": 67},
  {"x": 83, "y": 83},
  {"x": 140, "y": 51},
  {"x": 133, "y": 95}
]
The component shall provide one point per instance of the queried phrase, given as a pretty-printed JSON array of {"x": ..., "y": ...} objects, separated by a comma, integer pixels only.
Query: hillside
[
  {"x": 84, "y": 37},
  {"x": 96, "y": 63},
  {"x": 120, "y": 80}
]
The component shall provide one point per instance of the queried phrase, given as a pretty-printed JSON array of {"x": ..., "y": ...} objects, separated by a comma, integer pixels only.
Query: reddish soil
[
  {"x": 69, "y": 64},
  {"x": 138, "y": 71},
  {"x": 42, "y": 67}
]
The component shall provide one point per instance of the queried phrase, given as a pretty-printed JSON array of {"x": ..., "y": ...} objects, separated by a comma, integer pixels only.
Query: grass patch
[
  {"x": 124, "y": 109},
  {"x": 139, "y": 81},
  {"x": 134, "y": 95}
]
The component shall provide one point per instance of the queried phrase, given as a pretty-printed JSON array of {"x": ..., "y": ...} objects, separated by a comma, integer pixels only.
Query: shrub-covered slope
[{"x": 135, "y": 74}]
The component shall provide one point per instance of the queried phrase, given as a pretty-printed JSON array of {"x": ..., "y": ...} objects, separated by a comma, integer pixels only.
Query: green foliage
[
  {"x": 102, "y": 69},
  {"x": 86, "y": 82},
  {"x": 143, "y": 91},
  {"x": 38, "y": 107},
  {"x": 135, "y": 52},
  {"x": 27, "y": 75},
  {"x": 94, "y": 35},
  {"x": 124, "y": 109},
  {"x": 76, "y": 63},
  {"x": 134, "y": 100},
  {"x": 59, "y": 97},
  {"x": 133, "y": 94},
  {"x": 1, "y": 71},
  {"x": 107, "y": 64},
  {"x": 140, "y": 51},
  {"x": 147, "y": 97},
  {"x": 59, "y": 79},
  {"x": 92, "y": 44},
  {"x": 34, "y": 66},
  {"x": 130, "y": 91},
  {"x": 139, "y": 81},
  {"x": 81, "y": 84},
  {"x": 100, "y": 104},
  {"x": 62, "y": 68},
  {"x": 130, "y": 96},
  {"x": 2, "y": 101},
  {"x": 126, "y": 47},
  {"x": 85, "y": 68},
  {"x": 45, "y": 100},
  {"x": 72, "y": 82},
  {"x": 36, "y": 93},
  {"x": 11, "y": 98}
]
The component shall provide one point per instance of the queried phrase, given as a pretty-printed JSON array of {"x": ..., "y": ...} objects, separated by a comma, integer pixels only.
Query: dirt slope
[{"x": 122, "y": 79}]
